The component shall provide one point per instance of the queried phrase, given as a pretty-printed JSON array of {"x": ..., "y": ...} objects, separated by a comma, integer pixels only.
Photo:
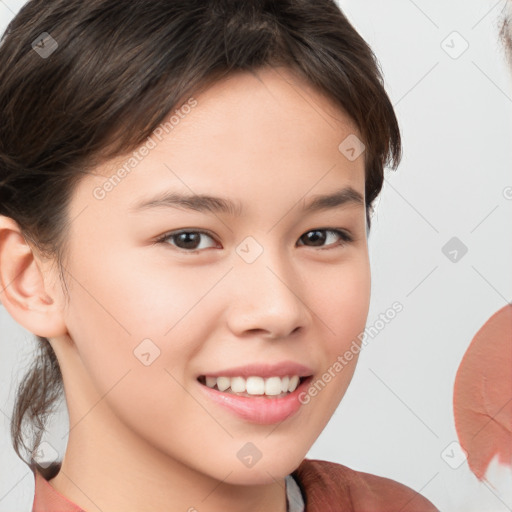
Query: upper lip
[{"x": 282, "y": 369}]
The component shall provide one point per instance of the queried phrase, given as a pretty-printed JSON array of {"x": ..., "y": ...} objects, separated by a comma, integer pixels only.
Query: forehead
[
  {"x": 277, "y": 95},
  {"x": 248, "y": 134}
]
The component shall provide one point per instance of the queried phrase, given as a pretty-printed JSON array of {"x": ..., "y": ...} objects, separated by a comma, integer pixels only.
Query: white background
[{"x": 456, "y": 119}]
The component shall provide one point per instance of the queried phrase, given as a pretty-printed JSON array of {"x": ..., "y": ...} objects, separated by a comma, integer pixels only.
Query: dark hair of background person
[
  {"x": 119, "y": 70},
  {"x": 506, "y": 30}
]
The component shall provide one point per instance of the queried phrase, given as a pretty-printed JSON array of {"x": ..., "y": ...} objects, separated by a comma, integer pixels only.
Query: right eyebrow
[{"x": 197, "y": 202}]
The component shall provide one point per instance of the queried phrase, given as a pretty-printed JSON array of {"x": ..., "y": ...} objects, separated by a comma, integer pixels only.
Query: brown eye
[
  {"x": 318, "y": 237},
  {"x": 187, "y": 240}
]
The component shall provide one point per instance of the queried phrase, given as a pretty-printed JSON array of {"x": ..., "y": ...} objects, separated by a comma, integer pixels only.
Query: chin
[{"x": 269, "y": 468}]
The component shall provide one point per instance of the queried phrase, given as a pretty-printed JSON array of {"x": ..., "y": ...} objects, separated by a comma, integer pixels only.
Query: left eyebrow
[
  {"x": 206, "y": 203},
  {"x": 345, "y": 196}
]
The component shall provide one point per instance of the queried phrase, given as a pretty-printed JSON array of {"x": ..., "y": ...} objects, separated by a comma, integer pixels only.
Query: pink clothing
[{"x": 326, "y": 487}]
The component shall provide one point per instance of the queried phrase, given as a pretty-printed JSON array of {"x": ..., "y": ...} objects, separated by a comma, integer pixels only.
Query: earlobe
[{"x": 24, "y": 291}]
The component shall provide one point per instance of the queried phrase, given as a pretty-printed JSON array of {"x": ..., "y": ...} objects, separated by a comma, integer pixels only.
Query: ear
[{"x": 25, "y": 290}]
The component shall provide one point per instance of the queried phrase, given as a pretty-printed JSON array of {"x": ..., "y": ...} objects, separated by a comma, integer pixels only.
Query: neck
[{"x": 108, "y": 469}]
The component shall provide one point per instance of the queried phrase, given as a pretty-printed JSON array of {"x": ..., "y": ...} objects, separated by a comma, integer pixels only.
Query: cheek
[
  {"x": 126, "y": 357},
  {"x": 341, "y": 303},
  {"x": 342, "y": 306},
  {"x": 123, "y": 307}
]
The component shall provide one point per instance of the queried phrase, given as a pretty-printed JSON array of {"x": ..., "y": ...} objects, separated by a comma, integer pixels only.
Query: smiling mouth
[{"x": 272, "y": 387}]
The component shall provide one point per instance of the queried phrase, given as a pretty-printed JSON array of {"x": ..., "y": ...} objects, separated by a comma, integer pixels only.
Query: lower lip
[{"x": 260, "y": 409}]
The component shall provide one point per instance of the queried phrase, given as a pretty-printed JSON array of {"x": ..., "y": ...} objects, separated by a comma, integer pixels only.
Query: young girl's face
[{"x": 265, "y": 282}]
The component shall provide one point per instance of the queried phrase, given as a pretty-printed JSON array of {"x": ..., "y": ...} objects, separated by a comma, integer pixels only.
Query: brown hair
[
  {"x": 506, "y": 30},
  {"x": 119, "y": 69}
]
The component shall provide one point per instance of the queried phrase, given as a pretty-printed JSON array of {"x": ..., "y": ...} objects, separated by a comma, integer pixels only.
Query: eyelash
[{"x": 344, "y": 235}]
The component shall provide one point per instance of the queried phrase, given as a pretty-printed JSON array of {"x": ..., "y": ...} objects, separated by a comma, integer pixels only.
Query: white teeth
[
  {"x": 294, "y": 382},
  {"x": 273, "y": 386},
  {"x": 211, "y": 381},
  {"x": 238, "y": 385},
  {"x": 254, "y": 385},
  {"x": 223, "y": 383}
]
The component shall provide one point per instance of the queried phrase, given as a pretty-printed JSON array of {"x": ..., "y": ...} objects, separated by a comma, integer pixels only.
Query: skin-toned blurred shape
[{"x": 482, "y": 397}]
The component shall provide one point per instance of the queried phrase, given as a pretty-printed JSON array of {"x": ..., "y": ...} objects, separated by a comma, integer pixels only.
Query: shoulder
[
  {"x": 46, "y": 497},
  {"x": 325, "y": 483}
]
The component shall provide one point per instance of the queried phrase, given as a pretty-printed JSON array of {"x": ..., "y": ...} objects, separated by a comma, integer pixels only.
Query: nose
[{"x": 266, "y": 298}]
